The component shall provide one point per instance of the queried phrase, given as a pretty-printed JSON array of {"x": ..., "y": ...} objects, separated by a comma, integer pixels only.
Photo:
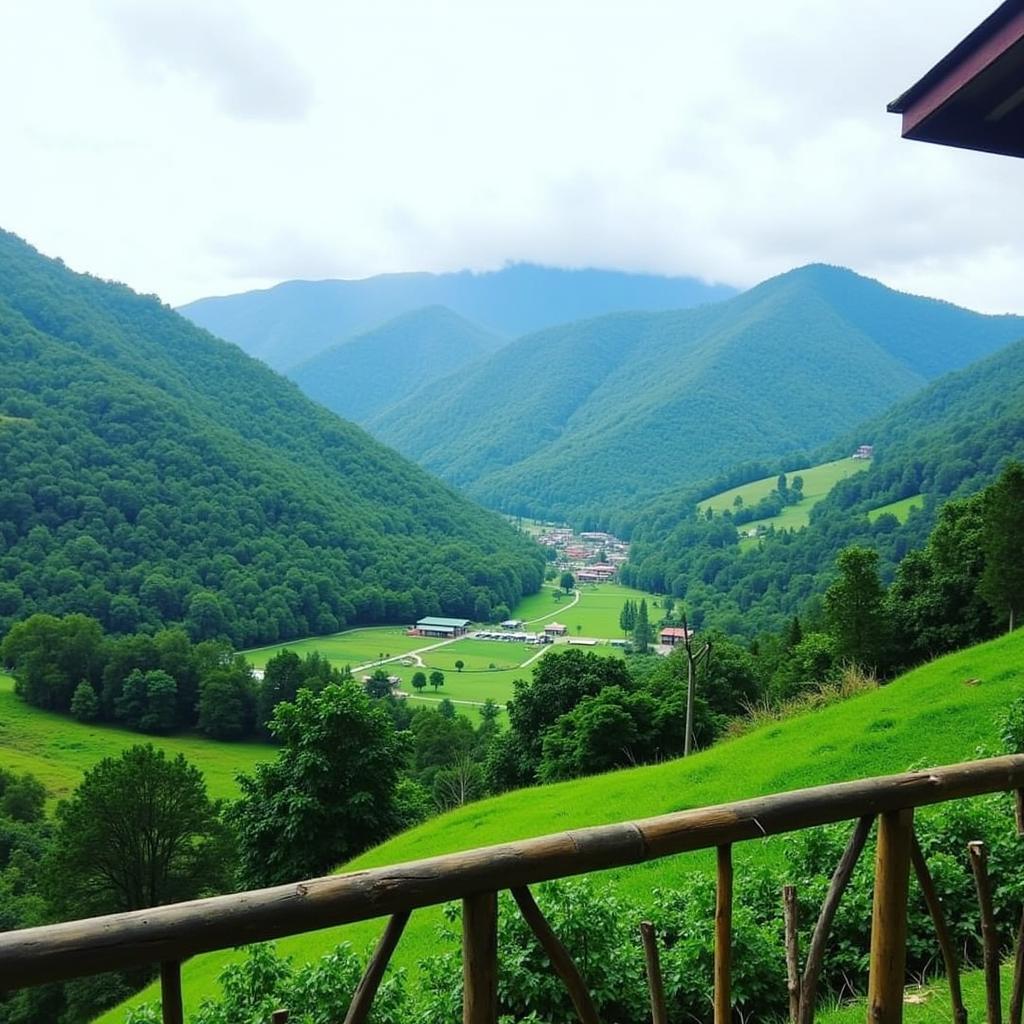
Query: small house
[{"x": 672, "y": 635}]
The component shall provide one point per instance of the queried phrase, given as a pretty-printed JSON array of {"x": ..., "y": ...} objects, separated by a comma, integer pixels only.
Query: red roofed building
[{"x": 672, "y": 635}]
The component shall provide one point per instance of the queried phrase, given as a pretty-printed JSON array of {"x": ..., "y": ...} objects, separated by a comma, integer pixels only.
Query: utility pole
[{"x": 694, "y": 659}]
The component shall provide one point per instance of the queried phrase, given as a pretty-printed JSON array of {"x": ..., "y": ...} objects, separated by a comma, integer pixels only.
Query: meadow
[
  {"x": 58, "y": 750},
  {"x": 926, "y": 717},
  {"x": 353, "y": 647},
  {"x": 900, "y": 509},
  {"x": 596, "y": 614},
  {"x": 818, "y": 481}
]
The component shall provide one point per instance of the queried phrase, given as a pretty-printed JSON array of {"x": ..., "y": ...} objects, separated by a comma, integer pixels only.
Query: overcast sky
[{"x": 201, "y": 147}]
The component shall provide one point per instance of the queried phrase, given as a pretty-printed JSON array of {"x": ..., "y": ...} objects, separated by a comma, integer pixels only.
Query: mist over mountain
[
  {"x": 366, "y": 374},
  {"x": 291, "y": 322},
  {"x": 593, "y": 418}
]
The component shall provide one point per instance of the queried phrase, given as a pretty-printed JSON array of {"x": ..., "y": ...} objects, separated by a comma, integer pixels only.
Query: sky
[{"x": 192, "y": 148}]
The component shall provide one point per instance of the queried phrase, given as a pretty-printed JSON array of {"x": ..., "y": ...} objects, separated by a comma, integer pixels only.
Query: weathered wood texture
[
  {"x": 888, "y": 963},
  {"x": 559, "y": 956},
  {"x": 659, "y": 1010},
  {"x": 1017, "y": 992},
  {"x": 989, "y": 935},
  {"x": 791, "y": 919},
  {"x": 366, "y": 990},
  {"x": 480, "y": 959},
  {"x": 33, "y": 956},
  {"x": 171, "y": 1007},
  {"x": 823, "y": 926},
  {"x": 279, "y": 1017},
  {"x": 723, "y": 936},
  {"x": 948, "y": 950}
]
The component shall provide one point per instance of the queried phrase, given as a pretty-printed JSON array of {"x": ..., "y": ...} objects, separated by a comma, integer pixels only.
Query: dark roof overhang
[{"x": 974, "y": 97}]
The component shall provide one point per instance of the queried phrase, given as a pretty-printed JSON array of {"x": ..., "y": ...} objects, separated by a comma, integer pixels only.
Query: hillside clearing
[
  {"x": 58, "y": 750},
  {"x": 926, "y": 717},
  {"x": 900, "y": 509}
]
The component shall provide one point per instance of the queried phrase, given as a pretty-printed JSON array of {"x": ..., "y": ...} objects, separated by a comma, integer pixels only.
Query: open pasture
[
  {"x": 818, "y": 481},
  {"x": 58, "y": 750},
  {"x": 596, "y": 614},
  {"x": 353, "y": 647},
  {"x": 900, "y": 509}
]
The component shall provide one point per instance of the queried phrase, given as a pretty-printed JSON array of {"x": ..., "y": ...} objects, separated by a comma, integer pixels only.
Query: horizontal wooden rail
[{"x": 35, "y": 956}]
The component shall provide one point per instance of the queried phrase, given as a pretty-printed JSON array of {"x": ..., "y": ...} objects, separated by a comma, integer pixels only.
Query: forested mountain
[
  {"x": 366, "y": 374},
  {"x": 948, "y": 441},
  {"x": 155, "y": 474},
  {"x": 290, "y": 323},
  {"x": 588, "y": 420}
]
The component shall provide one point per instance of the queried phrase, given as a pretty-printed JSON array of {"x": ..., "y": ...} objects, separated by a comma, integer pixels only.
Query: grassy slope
[
  {"x": 58, "y": 750},
  {"x": 818, "y": 481},
  {"x": 929, "y": 1003},
  {"x": 925, "y": 717},
  {"x": 900, "y": 509}
]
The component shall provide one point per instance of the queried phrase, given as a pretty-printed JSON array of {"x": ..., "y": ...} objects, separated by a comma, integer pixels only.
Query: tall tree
[
  {"x": 331, "y": 792},
  {"x": 642, "y": 629},
  {"x": 140, "y": 830},
  {"x": 854, "y": 608},
  {"x": 1002, "y": 579},
  {"x": 568, "y": 581}
]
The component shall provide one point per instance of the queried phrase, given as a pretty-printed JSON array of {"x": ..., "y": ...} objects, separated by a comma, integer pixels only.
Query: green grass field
[
  {"x": 929, "y": 1003},
  {"x": 900, "y": 509},
  {"x": 818, "y": 481},
  {"x": 596, "y": 614},
  {"x": 353, "y": 647},
  {"x": 927, "y": 717},
  {"x": 58, "y": 750}
]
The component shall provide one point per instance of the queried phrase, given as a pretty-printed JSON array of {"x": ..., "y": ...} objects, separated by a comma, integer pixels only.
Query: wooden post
[
  {"x": 659, "y": 1011},
  {"x": 279, "y": 1017},
  {"x": 558, "y": 955},
  {"x": 791, "y": 915},
  {"x": 480, "y": 959},
  {"x": 989, "y": 936},
  {"x": 931, "y": 898},
  {"x": 1017, "y": 993},
  {"x": 889, "y": 918},
  {"x": 823, "y": 926},
  {"x": 362, "y": 999},
  {"x": 1018, "y": 809},
  {"x": 723, "y": 937},
  {"x": 170, "y": 992}
]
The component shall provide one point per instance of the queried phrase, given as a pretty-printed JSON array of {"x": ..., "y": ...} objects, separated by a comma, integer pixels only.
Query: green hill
[
  {"x": 947, "y": 441},
  {"x": 58, "y": 751},
  {"x": 587, "y": 420},
  {"x": 153, "y": 474},
  {"x": 293, "y": 321},
  {"x": 926, "y": 717},
  {"x": 361, "y": 377}
]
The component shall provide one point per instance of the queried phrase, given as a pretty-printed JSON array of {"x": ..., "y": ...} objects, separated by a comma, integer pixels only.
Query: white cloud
[{"x": 194, "y": 150}]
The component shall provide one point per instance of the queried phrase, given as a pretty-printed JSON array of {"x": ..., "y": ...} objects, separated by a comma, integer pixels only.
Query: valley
[{"x": 927, "y": 717}]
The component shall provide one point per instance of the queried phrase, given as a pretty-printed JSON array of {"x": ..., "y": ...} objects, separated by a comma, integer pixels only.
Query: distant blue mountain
[{"x": 290, "y": 323}]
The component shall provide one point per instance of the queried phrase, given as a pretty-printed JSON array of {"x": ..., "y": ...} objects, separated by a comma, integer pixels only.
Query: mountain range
[
  {"x": 594, "y": 418},
  {"x": 154, "y": 474},
  {"x": 361, "y": 377},
  {"x": 290, "y": 323}
]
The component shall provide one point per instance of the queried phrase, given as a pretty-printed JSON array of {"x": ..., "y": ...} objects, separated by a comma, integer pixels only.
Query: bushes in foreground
[{"x": 600, "y": 929}]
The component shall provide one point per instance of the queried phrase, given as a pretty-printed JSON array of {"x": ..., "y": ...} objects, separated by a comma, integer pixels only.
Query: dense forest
[
  {"x": 587, "y": 421},
  {"x": 293, "y": 321},
  {"x": 949, "y": 441},
  {"x": 155, "y": 475},
  {"x": 364, "y": 375}
]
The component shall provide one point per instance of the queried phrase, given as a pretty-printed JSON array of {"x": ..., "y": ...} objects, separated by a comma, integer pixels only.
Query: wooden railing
[{"x": 169, "y": 934}]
